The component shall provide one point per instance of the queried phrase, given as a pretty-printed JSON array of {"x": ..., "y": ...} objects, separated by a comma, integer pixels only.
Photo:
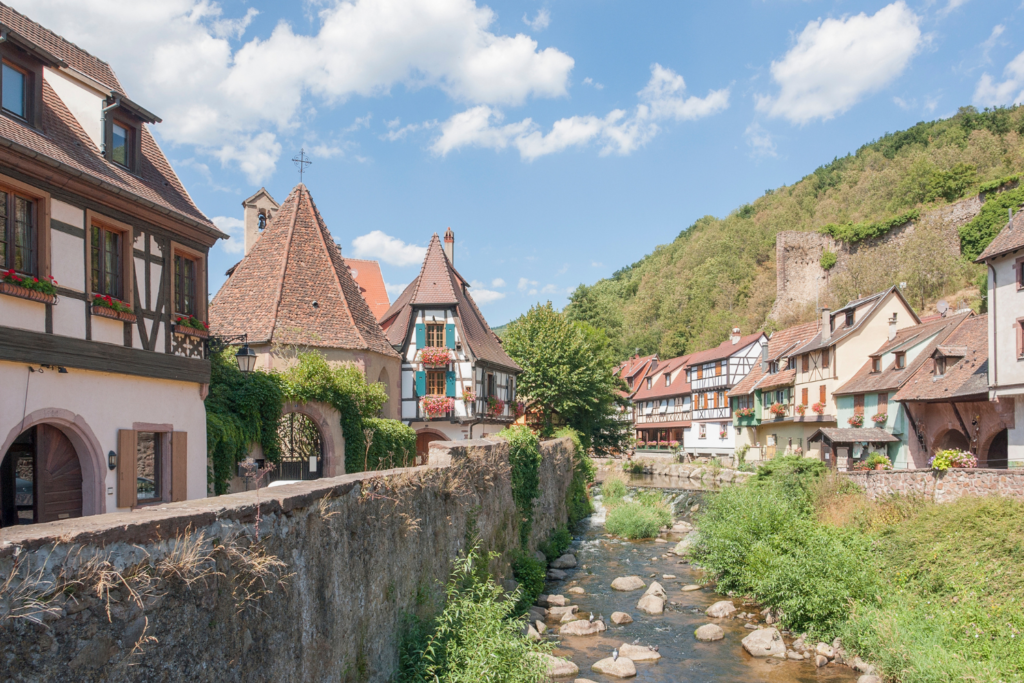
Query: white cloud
[
  {"x": 836, "y": 62},
  {"x": 497, "y": 282},
  {"x": 991, "y": 41},
  {"x": 395, "y": 133},
  {"x": 235, "y": 228},
  {"x": 619, "y": 132},
  {"x": 180, "y": 58},
  {"x": 481, "y": 295},
  {"x": 532, "y": 292},
  {"x": 391, "y": 250},
  {"x": 760, "y": 141},
  {"x": 596, "y": 264},
  {"x": 549, "y": 289},
  {"x": 952, "y": 5},
  {"x": 1010, "y": 91},
  {"x": 395, "y": 291},
  {"x": 539, "y": 22},
  {"x": 590, "y": 81},
  {"x": 525, "y": 284}
]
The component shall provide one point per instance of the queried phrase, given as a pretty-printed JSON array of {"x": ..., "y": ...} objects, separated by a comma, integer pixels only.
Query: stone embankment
[
  {"x": 941, "y": 486},
  {"x": 693, "y": 474},
  {"x": 304, "y": 582}
]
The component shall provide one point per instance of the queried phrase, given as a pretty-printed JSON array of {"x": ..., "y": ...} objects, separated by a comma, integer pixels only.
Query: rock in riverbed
[
  {"x": 620, "y": 618},
  {"x": 765, "y": 642},
  {"x": 709, "y": 632},
  {"x": 567, "y": 561},
  {"x": 722, "y": 608},
  {"x": 619, "y": 668},
  {"x": 552, "y": 600},
  {"x": 556, "y": 575},
  {"x": 560, "y": 612},
  {"x": 628, "y": 583},
  {"x": 691, "y": 587},
  {"x": 582, "y": 627},
  {"x": 638, "y": 653},
  {"x": 557, "y": 667},
  {"x": 576, "y": 590}
]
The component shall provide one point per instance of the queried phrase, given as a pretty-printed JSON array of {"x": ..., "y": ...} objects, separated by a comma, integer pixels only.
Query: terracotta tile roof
[
  {"x": 63, "y": 143},
  {"x": 271, "y": 294},
  {"x": 658, "y": 390},
  {"x": 76, "y": 58},
  {"x": 780, "y": 344},
  {"x": 854, "y": 435},
  {"x": 633, "y": 366},
  {"x": 1011, "y": 237},
  {"x": 841, "y": 331},
  {"x": 967, "y": 347},
  {"x": 724, "y": 350},
  {"x": 891, "y": 378},
  {"x": 440, "y": 285},
  {"x": 371, "y": 284}
]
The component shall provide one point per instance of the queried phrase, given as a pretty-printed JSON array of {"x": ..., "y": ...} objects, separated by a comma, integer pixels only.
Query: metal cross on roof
[{"x": 301, "y": 162}]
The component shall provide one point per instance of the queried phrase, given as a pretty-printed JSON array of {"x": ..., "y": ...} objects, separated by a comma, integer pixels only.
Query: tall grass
[{"x": 642, "y": 517}]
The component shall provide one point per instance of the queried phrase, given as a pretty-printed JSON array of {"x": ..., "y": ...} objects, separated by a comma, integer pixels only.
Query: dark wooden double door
[{"x": 40, "y": 478}]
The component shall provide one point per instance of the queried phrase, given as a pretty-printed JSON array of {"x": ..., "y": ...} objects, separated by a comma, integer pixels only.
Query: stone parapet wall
[
  {"x": 942, "y": 487},
  {"x": 181, "y": 592}
]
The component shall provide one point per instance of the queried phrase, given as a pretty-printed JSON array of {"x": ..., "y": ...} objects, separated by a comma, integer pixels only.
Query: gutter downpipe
[
  {"x": 103, "y": 124},
  {"x": 994, "y": 327}
]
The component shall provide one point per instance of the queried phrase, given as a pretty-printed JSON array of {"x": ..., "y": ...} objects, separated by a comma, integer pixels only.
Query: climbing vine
[
  {"x": 577, "y": 501},
  {"x": 524, "y": 458},
  {"x": 977, "y": 234}
]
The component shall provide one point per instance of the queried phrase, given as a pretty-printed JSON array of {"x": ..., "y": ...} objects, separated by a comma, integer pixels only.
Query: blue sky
[{"x": 560, "y": 139}]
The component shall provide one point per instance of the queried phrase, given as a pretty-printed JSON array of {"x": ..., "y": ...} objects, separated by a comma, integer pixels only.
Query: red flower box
[
  {"x": 105, "y": 312},
  {"x": 12, "y": 289}
]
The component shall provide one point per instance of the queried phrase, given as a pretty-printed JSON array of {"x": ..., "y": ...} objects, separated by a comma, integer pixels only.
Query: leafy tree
[
  {"x": 977, "y": 234},
  {"x": 568, "y": 368}
]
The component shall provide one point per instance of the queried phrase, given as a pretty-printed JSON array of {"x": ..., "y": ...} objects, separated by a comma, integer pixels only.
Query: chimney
[
  {"x": 892, "y": 327},
  {"x": 449, "y": 245},
  {"x": 826, "y": 324},
  {"x": 735, "y": 335},
  {"x": 764, "y": 358}
]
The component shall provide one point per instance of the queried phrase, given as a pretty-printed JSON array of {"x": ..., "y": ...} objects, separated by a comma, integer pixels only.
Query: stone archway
[
  {"x": 952, "y": 439},
  {"x": 91, "y": 458},
  {"x": 328, "y": 421},
  {"x": 996, "y": 456},
  {"x": 424, "y": 438}
]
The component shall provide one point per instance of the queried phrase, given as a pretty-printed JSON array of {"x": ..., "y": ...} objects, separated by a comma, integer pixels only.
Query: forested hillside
[{"x": 720, "y": 272}]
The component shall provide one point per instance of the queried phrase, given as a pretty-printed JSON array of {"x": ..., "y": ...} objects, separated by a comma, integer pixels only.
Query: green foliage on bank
[
  {"x": 524, "y": 459},
  {"x": 473, "y": 639},
  {"x": 578, "y": 502},
  {"x": 927, "y": 592},
  {"x": 977, "y": 234},
  {"x": 240, "y": 411},
  {"x": 531, "y": 574},
  {"x": 568, "y": 370},
  {"x": 720, "y": 272},
  {"x": 856, "y": 232}
]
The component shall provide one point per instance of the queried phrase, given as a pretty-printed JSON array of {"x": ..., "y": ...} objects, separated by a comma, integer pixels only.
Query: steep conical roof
[
  {"x": 439, "y": 284},
  {"x": 293, "y": 287}
]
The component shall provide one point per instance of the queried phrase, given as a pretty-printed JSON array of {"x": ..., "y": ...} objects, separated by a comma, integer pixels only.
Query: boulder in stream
[
  {"x": 651, "y": 604},
  {"x": 722, "y": 608},
  {"x": 638, "y": 653},
  {"x": 628, "y": 583},
  {"x": 765, "y": 642},
  {"x": 556, "y": 575},
  {"x": 582, "y": 627},
  {"x": 619, "y": 668},
  {"x": 620, "y": 618},
  {"x": 552, "y": 600},
  {"x": 657, "y": 589},
  {"x": 559, "y": 612},
  {"x": 557, "y": 667},
  {"x": 576, "y": 590},
  {"x": 709, "y": 632},
  {"x": 691, "y": 587},
  {"x": 567, "y": 561}
]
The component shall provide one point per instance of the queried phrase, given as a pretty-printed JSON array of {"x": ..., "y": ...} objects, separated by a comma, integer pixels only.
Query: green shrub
[
  {"x": 951, "y": 185},
  {"x": 828, "y": 259},
  {"x": 998, "y": 183},
  {"x": 524, "y": 458},
  {"x": 613, "y": 489},
  {"x": 558, "y": 542},
  {"x": 641, "y": 518},
  {"x": 856, "y": 232},
  {"x": 393, "y": 444},
  {"x": 473, "y": 639},
  {"x": 577, "y": 497},
  {"x": 632, "y": 467},
  {"x": 530, "y": 573},
  {"x": 977, "y": 234}
]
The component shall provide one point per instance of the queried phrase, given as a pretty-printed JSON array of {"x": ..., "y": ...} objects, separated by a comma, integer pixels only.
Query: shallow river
[{"x": 601, "y": 558}]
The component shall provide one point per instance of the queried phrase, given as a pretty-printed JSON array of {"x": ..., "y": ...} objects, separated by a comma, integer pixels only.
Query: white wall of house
[{"x": 1006, "y": 356}]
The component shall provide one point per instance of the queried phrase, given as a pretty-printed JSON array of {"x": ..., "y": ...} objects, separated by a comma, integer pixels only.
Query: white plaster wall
[
  {"x": 65, "y": 213},
  {"x": 85, "y": 103},
  {"x": 105, "y": 403},
  {"x": 155, "y": 271},
  {"x": 22, "y": 313},
  {"x": 107, "y": 330},
  {"x": 1006, "y": 372},
  {"x": 1015, "y": 435},
  {"x": 67, "y": 260},
  {"x": 69, "y": 318},
  {"x": 141, "y": 284}
]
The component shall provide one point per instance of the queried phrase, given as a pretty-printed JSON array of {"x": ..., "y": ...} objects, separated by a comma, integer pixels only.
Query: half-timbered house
[
  {"x": 712, "y": 374},
  {"x": 457, "y": 380},
  {"x": 102, "y": 293},
  {"x": 661, "y": 405}
]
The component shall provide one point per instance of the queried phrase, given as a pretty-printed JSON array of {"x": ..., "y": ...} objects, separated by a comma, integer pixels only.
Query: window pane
[
  {"x": 13, "y": 91},
  {"x": 189, "y": 287},
  {"x": 3, "y": 231},
  {"x": 119, "y": 150},
  {"x": 23, "y": 235},
  {"x": 148, "y": 466},
  {"x": 110, "y": 263},
  {"x": 95, "y": 264}
]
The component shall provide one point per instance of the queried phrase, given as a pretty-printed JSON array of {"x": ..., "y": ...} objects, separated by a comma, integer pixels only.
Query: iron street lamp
[{"x": 246, "y": 358}]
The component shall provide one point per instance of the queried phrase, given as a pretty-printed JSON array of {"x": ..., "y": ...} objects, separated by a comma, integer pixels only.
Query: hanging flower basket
[
  {"x": 722, "y": 433},
  {"x": 745, "y": 412},
  {"x": 435, "y": 356},
  {"x": 778, "y": 409},
  {"x": 192, "y": 326},
  {"x": 856, "y": 421},
  {"x": 518, "y": 410},
  {"x": 437, "y": 406},
  {"x": 28, "y": 287},
  {"x": 469, "y": 396},
  {"x": 880, "y": 417},
  {"x": 109, "y": 307},
  {"x": 495, "y": 405},
  {"x": 801, "y": 409},
  {"x": 819, "y": 408}
]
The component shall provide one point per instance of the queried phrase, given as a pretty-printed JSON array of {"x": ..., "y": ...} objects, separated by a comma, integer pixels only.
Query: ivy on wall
[
  {"x": 577, "y": 498},
  {"x": 524, "y": 459},
  {"x": 977, "y": 234},
  {"x": 855, "y": 232},
  {"x": 244, "y": 410}
]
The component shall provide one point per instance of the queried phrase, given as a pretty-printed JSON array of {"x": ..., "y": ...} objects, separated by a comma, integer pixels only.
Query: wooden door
[
  {"x": 423, "y": 445},
  {"x": 58, "y": 476}
]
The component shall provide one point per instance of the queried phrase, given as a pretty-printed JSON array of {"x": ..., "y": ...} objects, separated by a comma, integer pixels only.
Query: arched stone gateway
[
  {"x": 996, "y": 457},
  {"x": 952, "y": 439},
  {"x": 302, "y": 449},
  {"x": 424, "y": 438},
  {"x": 40, "y": 478}
]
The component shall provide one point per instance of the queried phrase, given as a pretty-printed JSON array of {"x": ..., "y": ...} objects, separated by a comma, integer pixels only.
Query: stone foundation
[
  {"x": 942, "y": 487},
  {"x": 181, "y": 592}
]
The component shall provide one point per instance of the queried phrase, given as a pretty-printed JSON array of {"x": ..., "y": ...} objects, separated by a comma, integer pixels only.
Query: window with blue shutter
[
  {"x": 449, "y": 336},
  {"x": 421, "y": 335},
  {"x": 421, "y": 383},
  {"x": 449, "y": 384}
]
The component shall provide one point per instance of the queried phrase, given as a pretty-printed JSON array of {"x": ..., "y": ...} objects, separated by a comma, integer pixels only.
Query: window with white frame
[{"x": 702, "y": 432}]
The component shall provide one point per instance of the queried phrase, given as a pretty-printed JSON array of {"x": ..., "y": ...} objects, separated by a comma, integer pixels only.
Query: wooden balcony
[{"x": 655, "y": 417}]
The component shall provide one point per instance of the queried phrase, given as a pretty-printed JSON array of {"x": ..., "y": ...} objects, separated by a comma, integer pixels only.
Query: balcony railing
[
  {"x": 712, "y": 414},
  {"x": 657, "y": 416}
]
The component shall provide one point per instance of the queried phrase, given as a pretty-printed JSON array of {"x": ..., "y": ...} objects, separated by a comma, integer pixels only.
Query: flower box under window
[
  {"x": 435, "y": 356},
  {"x": 103, "y": 312},
  {"x": 192, "y": 327},
  {"x": 12, "y": 289}
]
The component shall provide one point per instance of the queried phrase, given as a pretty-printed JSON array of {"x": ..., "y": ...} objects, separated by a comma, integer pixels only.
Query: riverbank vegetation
[
  {"x": 643, "y": 516},
  {"x": 927, "y": 592}
]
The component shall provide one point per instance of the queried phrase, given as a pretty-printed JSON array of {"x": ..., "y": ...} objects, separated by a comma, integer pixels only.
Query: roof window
[
  {"x": 901, "y": 360},
  {"x": 668, "y": 379},
  {"x": 876, "y": 365},
  {"x": 14, "y": 91},
  {"x": 849, "y": 318}
]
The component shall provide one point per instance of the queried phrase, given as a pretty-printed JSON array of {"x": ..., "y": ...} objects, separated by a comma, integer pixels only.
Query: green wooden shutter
[
  {"x": 421, "y": 383},
  {"x": 449, "y": 336},
  {"x": 449, "y": 383},
  {"x": 421, "y": 335}
]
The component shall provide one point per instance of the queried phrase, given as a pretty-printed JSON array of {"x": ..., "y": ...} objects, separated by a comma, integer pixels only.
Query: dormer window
[
  {"x": 849, "y": 318},
  {"x": 940, "y": 366},
  {"x": 876, "y": 365},
  {"x": 15, "y": 90},
  {"x": 668, "y": 379},
  {"x": 773, "y": 367},
  {"x": 121, "y": 144},
  {"x": 648, "y": 382},
  {"x": 901, "y": 360}
]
